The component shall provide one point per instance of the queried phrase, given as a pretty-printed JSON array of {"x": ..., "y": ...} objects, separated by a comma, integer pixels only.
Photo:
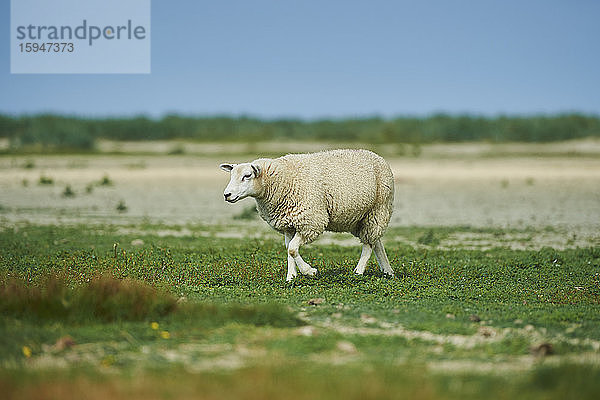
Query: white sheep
[{"x": 302, "y": 195}]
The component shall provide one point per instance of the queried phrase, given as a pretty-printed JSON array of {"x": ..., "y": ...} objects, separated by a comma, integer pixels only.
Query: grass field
[{"x": 496, "y": 293}]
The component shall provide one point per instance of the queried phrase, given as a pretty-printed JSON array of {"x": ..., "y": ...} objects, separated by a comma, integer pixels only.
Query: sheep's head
[{"x": 242, "y": 182}]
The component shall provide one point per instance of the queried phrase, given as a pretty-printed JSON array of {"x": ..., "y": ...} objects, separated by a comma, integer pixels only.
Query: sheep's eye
[{"x": 246, "y": 177}]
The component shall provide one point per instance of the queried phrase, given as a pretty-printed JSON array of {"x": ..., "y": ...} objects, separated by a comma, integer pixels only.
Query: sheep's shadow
[{"x": 339, "y": 274}]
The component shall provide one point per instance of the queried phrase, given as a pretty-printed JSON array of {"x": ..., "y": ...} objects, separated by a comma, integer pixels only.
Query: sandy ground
[
  {"x": 578, "y": 147},
  {"x": 505, "y": 192}
]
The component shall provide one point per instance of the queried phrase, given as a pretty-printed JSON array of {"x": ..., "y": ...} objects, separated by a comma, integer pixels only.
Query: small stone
[
  {"x": 450, "y": 316},
  {"x": 486, "y": 332},
  {"x": 63, "y": 343},
  {"x": 518, "y": 321},
  {"x": 474, "y": 318},
  {"x": 542, "y": 350},
  {"x": 316, "y": 301},
  {"x": 137, "y": 242},
  {"x": 367, "y": 319},
  {"x": 346, "y": 347},
  {"x": 306, "y": 331}
]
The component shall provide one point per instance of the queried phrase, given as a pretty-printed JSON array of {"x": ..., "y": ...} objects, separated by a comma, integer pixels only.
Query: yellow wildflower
[
  {"x": 27, "y": 351},
  {"x": 108, "y": 361},
  {"x": 154, "y": 325},
  {"x": 165, "y": 334}
]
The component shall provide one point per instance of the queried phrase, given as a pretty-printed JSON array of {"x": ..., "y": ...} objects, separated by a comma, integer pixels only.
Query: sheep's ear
[
  {"x": 256, "y": 170},
  {"x": 227, "y": 167}
]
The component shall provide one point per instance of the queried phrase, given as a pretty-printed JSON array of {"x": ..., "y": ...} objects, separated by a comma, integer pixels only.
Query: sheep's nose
[{"x": 227, "y": 195}]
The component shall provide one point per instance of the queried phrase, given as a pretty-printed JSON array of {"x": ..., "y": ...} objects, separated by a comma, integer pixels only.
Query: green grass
[{"x": 203, "y": 314}]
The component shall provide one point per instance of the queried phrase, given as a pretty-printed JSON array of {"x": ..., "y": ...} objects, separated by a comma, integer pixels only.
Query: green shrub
[
  {"x": 68, "y": 192},
  {"x": 45, "y": 180},
  {"x": 48, "y": 131}
]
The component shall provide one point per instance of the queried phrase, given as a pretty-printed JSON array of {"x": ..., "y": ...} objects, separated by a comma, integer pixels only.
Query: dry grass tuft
[{"x": 105, "y": 298}]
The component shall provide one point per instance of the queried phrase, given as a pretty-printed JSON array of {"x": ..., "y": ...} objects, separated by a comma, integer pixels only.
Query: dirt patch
[
  {"x": 465, "y": 341},
  {"x": 578, "y": 147},
  {"x": 514, "y": 365},
  {"x": 525, "y": 240}
]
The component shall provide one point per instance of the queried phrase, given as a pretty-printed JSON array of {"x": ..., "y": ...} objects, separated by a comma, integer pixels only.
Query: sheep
[{"x": 303, "y": 195}]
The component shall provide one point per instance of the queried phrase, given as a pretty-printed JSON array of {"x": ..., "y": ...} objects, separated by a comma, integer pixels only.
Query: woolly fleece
[{"x": 339, "y": 190}]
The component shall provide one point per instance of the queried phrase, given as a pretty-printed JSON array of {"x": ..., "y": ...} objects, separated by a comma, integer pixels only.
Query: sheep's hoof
[
  {"x": 290, "y": 277},
  {"x": 387, "y": 271},
  {"x": 310, "y": 272}
]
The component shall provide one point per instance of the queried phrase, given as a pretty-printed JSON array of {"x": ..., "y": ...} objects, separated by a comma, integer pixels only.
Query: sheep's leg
[
  {"x": 292, "y": 260},
  {"x": 382, "y": 259},
  {"x": 291, "y": 272},
  {"x": 293, "y": 248},
  {"x": 364, "y": 258}
]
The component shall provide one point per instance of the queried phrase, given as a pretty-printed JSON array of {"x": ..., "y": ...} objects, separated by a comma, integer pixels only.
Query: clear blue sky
[{"x": 326, "y": 58}]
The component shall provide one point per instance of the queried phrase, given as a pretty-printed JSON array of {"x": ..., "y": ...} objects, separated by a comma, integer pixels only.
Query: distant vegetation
[{"x": 61, "y": 132}]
